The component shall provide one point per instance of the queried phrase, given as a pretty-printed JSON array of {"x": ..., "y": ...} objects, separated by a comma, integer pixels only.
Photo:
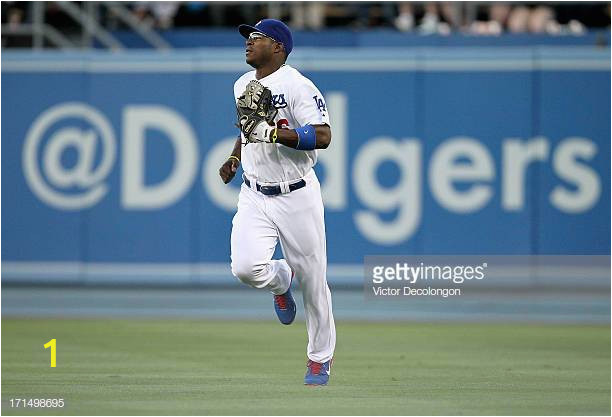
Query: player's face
[{"x": 259, "y": 49}]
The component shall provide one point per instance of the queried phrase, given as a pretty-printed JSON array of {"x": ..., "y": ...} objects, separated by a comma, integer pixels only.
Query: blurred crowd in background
[{"x": 487, "y": 18}]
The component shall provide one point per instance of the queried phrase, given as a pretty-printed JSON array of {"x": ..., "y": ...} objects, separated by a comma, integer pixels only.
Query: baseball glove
[{"x": 255, "y": 107}]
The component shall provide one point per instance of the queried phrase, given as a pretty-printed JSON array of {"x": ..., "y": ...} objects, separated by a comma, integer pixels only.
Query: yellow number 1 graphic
[{"x": 51, "y": 343}]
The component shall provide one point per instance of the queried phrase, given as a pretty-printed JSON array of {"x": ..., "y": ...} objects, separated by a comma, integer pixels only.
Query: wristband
[
  {"x": 307, "y": 138},
  {"x": 235, "y": 157},
  {"x": 274, "y": 135}
]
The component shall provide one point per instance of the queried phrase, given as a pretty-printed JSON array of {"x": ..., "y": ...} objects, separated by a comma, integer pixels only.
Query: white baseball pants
[{"x": 296, "y": 220}]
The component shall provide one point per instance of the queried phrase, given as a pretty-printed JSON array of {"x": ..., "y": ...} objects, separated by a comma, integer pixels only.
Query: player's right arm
[{"x": 229, "y": 167}]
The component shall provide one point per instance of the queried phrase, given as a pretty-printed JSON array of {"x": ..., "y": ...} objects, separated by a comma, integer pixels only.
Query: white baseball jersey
[{"x": 299, "y": 103}]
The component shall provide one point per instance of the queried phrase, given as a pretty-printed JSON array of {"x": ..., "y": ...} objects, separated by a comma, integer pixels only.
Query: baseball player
[{"x": 280, "y": 197}]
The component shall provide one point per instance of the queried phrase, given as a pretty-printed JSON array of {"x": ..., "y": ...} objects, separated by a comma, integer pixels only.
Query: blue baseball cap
[{"x": 273, "y": 28}]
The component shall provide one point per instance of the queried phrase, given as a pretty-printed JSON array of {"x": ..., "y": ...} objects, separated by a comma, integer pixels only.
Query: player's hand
[
  {"x": 228, "y": 170},
  {"x": 263, "y": 132}
]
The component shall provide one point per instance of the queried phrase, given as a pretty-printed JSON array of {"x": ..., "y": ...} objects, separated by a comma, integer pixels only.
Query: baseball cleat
[
  {"x": 317, "y": 373},
  {"x": 284, "y": 305}
]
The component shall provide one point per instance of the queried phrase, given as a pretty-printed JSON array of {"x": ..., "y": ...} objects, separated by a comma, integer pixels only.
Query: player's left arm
[
  {"x": 292, "y": 139},
  {"x": 310, "y": 114}
]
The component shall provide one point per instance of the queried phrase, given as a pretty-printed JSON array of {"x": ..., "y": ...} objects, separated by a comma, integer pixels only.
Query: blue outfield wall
[{"x": 112, "y": 159}]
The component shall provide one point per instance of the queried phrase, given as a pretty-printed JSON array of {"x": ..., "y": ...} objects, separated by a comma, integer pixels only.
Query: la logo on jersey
[{"x": 320, "y": 104}]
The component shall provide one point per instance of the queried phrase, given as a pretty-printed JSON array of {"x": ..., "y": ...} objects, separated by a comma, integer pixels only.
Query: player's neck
[{"x": 266, "y": 70}]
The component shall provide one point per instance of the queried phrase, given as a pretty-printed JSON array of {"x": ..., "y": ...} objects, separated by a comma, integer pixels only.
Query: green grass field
[{"x": 181, "y": 367}]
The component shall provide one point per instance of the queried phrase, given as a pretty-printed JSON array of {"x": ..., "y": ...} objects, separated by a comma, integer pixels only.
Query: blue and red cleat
[
  {"x": 317, "y": 373},
  {"x": 284, "y": 305}
]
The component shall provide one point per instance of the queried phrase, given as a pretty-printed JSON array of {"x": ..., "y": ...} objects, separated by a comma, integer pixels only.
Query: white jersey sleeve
[{"x": 309, "y": 105}]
